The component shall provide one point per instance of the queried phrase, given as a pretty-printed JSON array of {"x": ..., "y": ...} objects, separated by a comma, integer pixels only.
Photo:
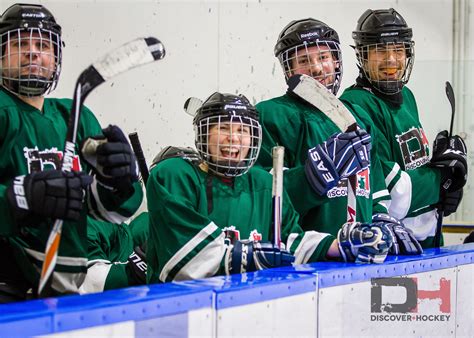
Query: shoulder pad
[{"x": 186, "y": 153}]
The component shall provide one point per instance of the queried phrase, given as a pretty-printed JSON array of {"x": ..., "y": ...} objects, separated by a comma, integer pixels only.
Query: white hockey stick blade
[
  {"x": 130, "y": 55},
  {"x": 313, "y": 92},
  {"x": 278, "y": 154},
  {"x": 191, "y": 105}
]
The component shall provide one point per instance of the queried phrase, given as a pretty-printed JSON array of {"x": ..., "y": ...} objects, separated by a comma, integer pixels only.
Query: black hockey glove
[
  {"x": 404, "y": 241},
  {"x": 137, "y": 265},
  {"x": 450, "y": 201},
  {"x": 449, "y": 155},
  {"x": 247, "y": 256},
  {"x": 51, "y": 193},
  {"x": 112, "y": 160},
  {"x": 469, "y": 238},
  {"x": 364, "y": 243}
]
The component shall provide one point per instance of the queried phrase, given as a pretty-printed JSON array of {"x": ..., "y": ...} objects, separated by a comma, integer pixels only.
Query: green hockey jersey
[
  {"x": 110, "y": 245},
  {"x": 192, "y": 213},
  {"x": 292, "y": 123},
  {"x": 404, "y": 154},
  {"x": 33, "y": 140}
]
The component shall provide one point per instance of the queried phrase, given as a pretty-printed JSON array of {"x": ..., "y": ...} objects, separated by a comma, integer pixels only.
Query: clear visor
[
  {"x": 229, "y": 145},
  {"x": 387, "y": 65},
  {"x": 30, "y": 61},
  {"x": 322, "y": 61}
]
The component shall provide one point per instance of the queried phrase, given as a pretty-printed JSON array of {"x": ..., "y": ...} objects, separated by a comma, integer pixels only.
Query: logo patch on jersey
[
  {"x": 255, "y": 235},
  {"x": 362, "y": 188},
  {"x": 231, "y": 235},
  {"x": 414, "y": 147},
  {"x": 48, "y": 159}
]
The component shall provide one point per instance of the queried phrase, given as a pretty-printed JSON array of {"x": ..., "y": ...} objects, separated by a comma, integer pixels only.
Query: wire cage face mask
[
  {"x": 387, "y": 66},
  {"x": 229, "y": 144},
  {"x": 321, "y": 60},
  {"x": 30, "y": 61}
]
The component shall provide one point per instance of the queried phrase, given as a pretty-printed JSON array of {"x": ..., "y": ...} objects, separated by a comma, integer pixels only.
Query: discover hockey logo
[
  {"x": 39, "y": 160},
  {"x": 416, "y": 300},
  {"x": 362, "y": 187},
  {"x": 414, "y": 147}
]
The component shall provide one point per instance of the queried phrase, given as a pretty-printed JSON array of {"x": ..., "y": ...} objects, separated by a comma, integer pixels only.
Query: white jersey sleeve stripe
[
  {"x": 188, "y": 247},
  {"x": 206, "y": 263},
  {"x": 393, "y": 173},
  {"x": 401, "y": 195},
  {"x": 109, "y": 216},
  {"x": 308, "y": 245},
  {"x": 95, "y": 278}
]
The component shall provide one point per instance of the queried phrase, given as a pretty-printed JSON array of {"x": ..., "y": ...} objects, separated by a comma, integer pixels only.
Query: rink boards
[{"x": 427, "y": 295}]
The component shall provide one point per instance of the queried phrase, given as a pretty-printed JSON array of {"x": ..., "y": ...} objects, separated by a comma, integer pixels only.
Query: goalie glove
[
  {"x": 248, "y": 256},
  {"x": 364, "y": 243},
  {"x": 449, "y": 155},
  {"x": 112, "y": 160},
  {"x": 404, "y": 241}
]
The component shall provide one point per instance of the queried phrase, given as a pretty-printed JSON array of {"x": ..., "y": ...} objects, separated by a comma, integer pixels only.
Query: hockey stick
[
  {"x": 278, "y": 154},
  {"x": 317, "y": 95},
  {"x": 452, "y": 102},
  {"x": 191, "y": 105},
  {"x": 126, "y": 57},
  {"x": 137, "y": 149}
]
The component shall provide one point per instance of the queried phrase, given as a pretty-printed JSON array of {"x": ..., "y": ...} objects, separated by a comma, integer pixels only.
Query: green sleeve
[{"x": 180, "y": 233}]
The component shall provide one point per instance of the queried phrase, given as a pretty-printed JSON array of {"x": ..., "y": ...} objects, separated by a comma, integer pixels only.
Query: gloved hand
[
  {"x": 364, "y": 243},
  {"x": 350, "y": 152},
  {"x": 449, "y": 202},
  {"x": 449, "y": 155},
  {"x": 247, "y": 256},
  {"x": 51, "y": 193},
  {"x": 137, "y": 264},
  {"x": 340, "y": 156},
  {"x": 404, "y": 241},
  {"x": 112, "y": 160}
]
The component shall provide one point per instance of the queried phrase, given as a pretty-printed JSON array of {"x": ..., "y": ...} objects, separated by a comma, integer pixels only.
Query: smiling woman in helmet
[{"x": 212, "y": 213}]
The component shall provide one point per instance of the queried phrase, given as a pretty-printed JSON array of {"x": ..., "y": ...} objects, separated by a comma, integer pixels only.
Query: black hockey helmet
[
  {"x": 381, "y": 26},
  {"x": 30, "y": 18},
  {"x": 222, "y": 108},
  {"x": 299, "y": 31},
  {"x": 304, "y": 33},
  {"x": 384, "y": 29}
]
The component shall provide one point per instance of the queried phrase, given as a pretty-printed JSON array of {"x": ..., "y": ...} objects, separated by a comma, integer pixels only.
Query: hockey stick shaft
[
  {"x": 439, "y": 223},
  {"x": 278, "y": 154},
  {"x": 137, "y": 149},
  {"x": 316, "y": 94},
  {"x": 130, "y": 55}
]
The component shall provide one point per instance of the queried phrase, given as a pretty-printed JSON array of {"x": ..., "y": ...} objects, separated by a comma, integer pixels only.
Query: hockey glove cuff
[{"x": 247, "y": 256}]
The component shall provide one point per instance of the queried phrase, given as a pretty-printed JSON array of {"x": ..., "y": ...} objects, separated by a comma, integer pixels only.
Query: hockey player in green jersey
[
  {"x": 385, "y": 54},
  {"x": 34, "y": 191},
  {"x": 311, "y": 47},
  {"x": 214, "y": 216}
]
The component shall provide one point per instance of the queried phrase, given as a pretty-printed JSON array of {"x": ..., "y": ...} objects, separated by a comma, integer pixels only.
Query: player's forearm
[{"x": 7, "y": 225}]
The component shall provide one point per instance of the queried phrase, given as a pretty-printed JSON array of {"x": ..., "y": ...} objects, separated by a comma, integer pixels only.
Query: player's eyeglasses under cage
[
  {"x": 31, "y": 61},
  {"x": 387, "y": 66},
  {"x": 321, "y": 60},
  {"x": 228, "y": 144}
]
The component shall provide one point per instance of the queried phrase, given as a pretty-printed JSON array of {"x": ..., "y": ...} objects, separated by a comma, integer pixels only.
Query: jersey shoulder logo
[
  {"x": 47, "y": 159},
  {"x": 362, "y": 187},
  {"x": 414, "y": 147}
]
